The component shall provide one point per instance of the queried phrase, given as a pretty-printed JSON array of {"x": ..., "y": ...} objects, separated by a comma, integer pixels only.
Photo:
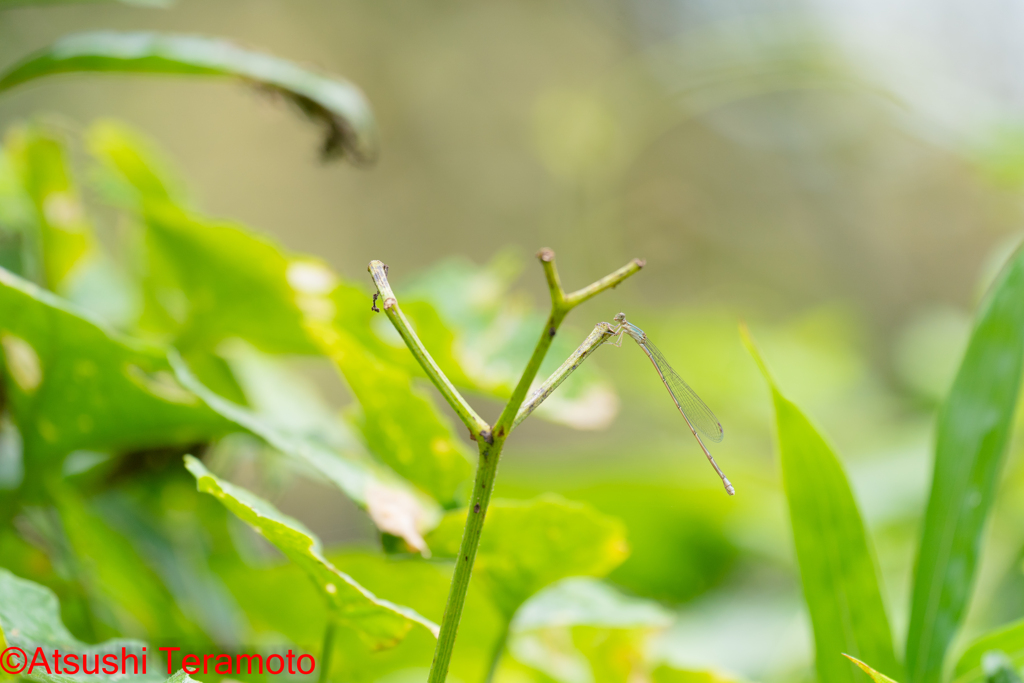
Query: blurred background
[{"x": 845, "y": 177}]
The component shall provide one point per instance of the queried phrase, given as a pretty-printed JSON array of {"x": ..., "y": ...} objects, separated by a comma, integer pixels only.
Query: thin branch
[
  {"x": 607, "y": 282},
  {"x": 560, "y": 307},
  {"x": 478, "y": 427},
  {"x": 602, "y": 332},
  {"x": 547, "y": 262}
]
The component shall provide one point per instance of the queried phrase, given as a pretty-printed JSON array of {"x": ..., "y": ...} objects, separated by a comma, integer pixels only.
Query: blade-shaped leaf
[
  {"x": 875, "y": 675},
  {"x": 837, "y": 565},
  {"x": 527, "y": 545},
  {"x": 335, "y": 104},
  {"x": 394, "y": 506},
  {"x": 379, "y": 622},
  {"x": 1008, "y": 639},
  {"x": 73, "y": 385},
  {"x": 30, "y": 618},
  {"x": 972, "y": 432}
]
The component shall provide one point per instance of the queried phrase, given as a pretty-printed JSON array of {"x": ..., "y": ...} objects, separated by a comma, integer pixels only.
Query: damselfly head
[{"x": 620, "y": 318}]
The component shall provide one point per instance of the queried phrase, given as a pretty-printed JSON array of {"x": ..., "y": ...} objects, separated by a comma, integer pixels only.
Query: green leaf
[
  {"x": 67, "y": 241},
  {"x": 117, "y": 579},
  {"x": 400, "y": 424},
  {"x": 875, "y": 676},
  {"x": 218, "y": 280},
  {"x": 379, "y": 622},
  {"x": 972, "y": 433},
  {"x": 527, "y": 545},
  {"x": 73, "y": 385},
  {"x": 30, "y": 618},
  {"x": 581, "y": 625},
  {"x": 583, "y": 601},
  {"x": 666, "y": 674},
  {"x": 18, "y": 226},
  {"x": 335, "y": 104},
  {"x": 837, "y": 565},
  {"x": 998, "y": 668},
  {"x": 393, "y": 505},
  {"x": 133, "y": 171},
  {"x": 1009, "y": 639}
]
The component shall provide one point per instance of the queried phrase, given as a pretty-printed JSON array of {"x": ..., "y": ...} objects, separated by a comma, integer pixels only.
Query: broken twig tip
[
  {"x": 546, "y": 255},
  {"x": 640, "y": 262},
  {"x": 390, "y": 303}
]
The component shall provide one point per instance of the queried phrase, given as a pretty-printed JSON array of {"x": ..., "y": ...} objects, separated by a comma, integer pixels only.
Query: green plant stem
[
  {"x": 326, "y": 651},
  {"x": 602, "y": 332},
  {"x": 482, "y": 487},
  {"x": 489, "y": 441},
  {"x": 476, "y": 424},
  {"x": 498, "y": 651}
]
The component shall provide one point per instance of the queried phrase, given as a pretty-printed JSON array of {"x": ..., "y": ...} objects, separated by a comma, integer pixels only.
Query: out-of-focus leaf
[
  {"x": 527, "y": 545},
  {"x": 380, "y": 623},
  {"x": 217, "y": 280},
  {"x": 393, "y": 505},
  {"x": 132, "y": 172},
  {"x": 18, "y": 229},
  {"x": 337, "y": 105},
  {"x": 179, "y": 677},
  {"x": 665, "y": 674},
  {"x": 400, "y": 424},
  {"x": 837, "y": 565},
  {"x": 30, "y": 618},
  {"x": 875, "y": 675},
  {"x": 495, "y": 332},
  {"x": 584, "y": 601},
  {"x": 58, "y": 246},
  {"x": 73, "y": 385},
  {"x": 67, "y": 240},
  {"x": 1008, "y": 639},
  {"x": 999, "y": 668},
  {"x": 584, "y": 654},
  {"x": 114, "y": 574},
  {"x": 583, "y": 630},
  {"x": 972, "y": 433}
]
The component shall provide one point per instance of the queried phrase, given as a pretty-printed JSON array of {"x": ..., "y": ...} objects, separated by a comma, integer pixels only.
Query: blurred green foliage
[{"x": 137, "y": 328}]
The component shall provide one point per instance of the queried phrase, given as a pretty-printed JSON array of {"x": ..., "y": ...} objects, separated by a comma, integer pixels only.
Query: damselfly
[{"x": 698, "y": 416}]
